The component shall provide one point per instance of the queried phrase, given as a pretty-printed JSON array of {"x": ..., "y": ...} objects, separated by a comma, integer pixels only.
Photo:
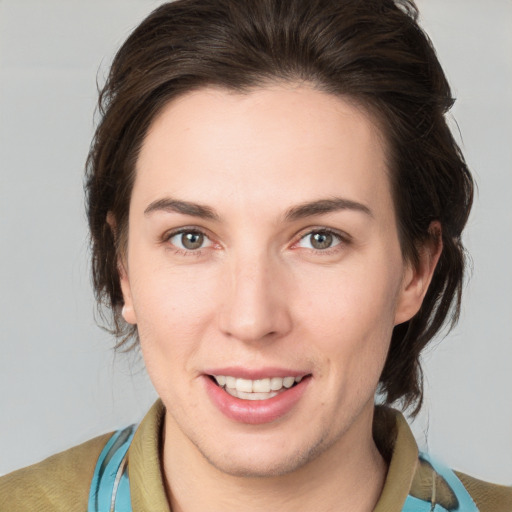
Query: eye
[
  {"x": 319, "y": 240},
  {"x": 189, "y": 240}
]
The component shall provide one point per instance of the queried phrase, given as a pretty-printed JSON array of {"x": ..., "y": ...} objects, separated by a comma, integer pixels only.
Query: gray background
[{"x": 60, "y": 382}]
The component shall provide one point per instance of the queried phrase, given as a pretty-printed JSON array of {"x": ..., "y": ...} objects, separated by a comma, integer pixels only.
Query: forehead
[{"x": 277, "y": 146}]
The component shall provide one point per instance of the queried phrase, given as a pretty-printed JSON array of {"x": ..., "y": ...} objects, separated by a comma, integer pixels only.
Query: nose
[{"x": 255, "y": 306}]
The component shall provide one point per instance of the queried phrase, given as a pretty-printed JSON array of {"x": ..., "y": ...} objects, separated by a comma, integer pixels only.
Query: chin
[{"x": 263, "y": 463}]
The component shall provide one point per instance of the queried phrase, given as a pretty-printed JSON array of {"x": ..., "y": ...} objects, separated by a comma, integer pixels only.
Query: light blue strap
[
  {"x": 466, "y": 503},
  {"x": 110, "y": 487},
  {"x": 122, "y": 501}
]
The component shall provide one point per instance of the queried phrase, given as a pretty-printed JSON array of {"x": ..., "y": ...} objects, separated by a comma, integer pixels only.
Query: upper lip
[{"x": 256, "y": 373}]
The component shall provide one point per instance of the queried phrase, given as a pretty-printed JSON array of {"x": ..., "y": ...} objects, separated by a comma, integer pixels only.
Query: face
[{"x": 264, "y": 273}]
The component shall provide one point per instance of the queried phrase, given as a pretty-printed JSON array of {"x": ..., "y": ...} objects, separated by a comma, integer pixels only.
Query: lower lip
[{"x": 255, "y": 412}]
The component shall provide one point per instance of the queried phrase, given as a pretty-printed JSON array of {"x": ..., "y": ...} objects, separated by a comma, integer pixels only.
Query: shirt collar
[{"x": 391, "y": 432}]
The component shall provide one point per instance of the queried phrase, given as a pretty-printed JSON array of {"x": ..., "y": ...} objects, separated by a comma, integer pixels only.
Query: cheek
[
  {"x": 351, "y": 300},
  {"x": 173, "y": 311},
  {"x": 350, "y": 315},
  {"x": 173, "y": 307}
]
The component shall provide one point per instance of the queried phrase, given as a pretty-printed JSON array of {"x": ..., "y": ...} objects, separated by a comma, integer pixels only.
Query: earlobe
[
  {"x": 128, "y": 311},
  {"x": 417, "y": 278},
  {"x": 128, "y": 314}
]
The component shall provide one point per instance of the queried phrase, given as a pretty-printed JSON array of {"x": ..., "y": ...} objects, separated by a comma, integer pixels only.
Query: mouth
[
  {"x": 259, "y": 389},
  {"x": 256, "y": 397}
]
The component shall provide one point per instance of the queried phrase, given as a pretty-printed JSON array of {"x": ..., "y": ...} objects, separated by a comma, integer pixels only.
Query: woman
[{"x": 276, "y": 204}]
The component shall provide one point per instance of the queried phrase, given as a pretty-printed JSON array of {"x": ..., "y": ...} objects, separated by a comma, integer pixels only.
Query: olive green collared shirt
[{"x": 61, "y": 483}]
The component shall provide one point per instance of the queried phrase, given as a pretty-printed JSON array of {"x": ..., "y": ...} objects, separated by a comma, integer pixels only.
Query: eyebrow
[
  {"x": 323, "y": 206},
  {"x": 308, "y": 209},
  {"x": 185, "y": 207}
]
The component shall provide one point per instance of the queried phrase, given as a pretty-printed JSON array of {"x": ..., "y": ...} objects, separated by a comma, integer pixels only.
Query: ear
[
  {"x": 417, "y": 278},
  {"x": 127, "y": 311}
]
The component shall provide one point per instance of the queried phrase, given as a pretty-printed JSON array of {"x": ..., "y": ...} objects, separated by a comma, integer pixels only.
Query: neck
[{"x": 349, "y": 475}]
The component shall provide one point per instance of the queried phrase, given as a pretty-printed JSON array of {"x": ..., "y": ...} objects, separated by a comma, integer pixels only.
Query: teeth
[
  {"x": 276, "y": 383},
  {"x": 288, "y": 382},
  {"x": 261, "y": 386},
  {"x": 221, "y": 380},
  {"x": 250, "y": 396},
  {"x": 244, "y": 385},
  {"x": 259, "y": 389}
]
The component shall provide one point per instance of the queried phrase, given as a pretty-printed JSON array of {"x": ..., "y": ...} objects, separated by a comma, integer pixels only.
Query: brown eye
[
  {"x": 190, "y": 240},
  {"x": 319, "y": 240}
]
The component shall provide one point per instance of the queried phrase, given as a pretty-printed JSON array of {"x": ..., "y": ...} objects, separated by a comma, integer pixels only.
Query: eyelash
[
  {"x": 185, "y": 252},
  {"x": 342, "y": 239}
]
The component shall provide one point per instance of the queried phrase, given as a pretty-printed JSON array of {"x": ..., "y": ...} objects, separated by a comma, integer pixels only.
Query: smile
[
  {"x": 266, "y": 397},
  {"x": 259, "y": 389}
]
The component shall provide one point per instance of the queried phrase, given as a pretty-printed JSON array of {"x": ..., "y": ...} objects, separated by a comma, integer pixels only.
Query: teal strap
[
  {"x": 110, "y": 487},
  {"x": 466, "y": 503}
]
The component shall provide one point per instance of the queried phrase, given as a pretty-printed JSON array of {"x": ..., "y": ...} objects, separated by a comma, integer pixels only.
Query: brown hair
[{"x": 371, "y": 51}]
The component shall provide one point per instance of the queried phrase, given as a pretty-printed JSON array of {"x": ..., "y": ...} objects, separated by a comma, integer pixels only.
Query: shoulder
[
  {"x": 437, "y": 484},
  {"x": 59, "y": 483},
  {"x": 487, "y": 497},
  {"x": 422, "y": 481}
]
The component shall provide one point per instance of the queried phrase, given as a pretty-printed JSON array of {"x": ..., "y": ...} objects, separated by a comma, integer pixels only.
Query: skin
[{"x": 257, "y": 294}]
